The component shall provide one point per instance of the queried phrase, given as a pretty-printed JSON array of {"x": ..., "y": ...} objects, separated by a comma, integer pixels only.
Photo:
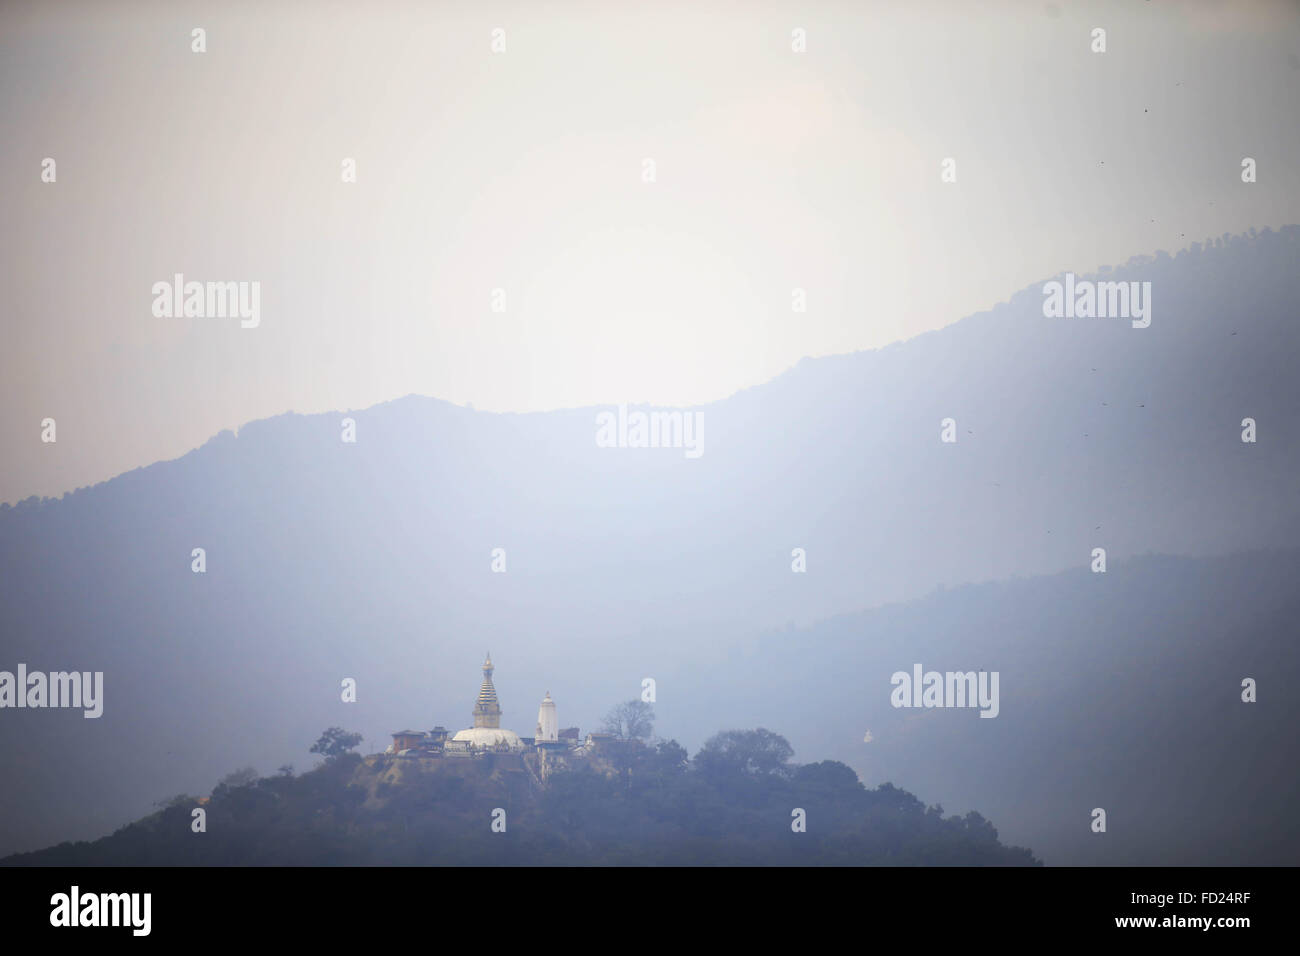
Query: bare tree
[{"x": 632, "y": 720}]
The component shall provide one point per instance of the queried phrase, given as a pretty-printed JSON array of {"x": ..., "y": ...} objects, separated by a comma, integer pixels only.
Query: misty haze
[{"x": 650, "y": 435}]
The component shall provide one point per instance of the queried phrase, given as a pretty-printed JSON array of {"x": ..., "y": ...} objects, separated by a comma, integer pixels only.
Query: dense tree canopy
[{"x": 748, "y": 753}]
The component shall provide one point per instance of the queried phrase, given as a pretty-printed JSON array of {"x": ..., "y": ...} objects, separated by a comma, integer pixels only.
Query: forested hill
[{"x": 734, "y": 803}]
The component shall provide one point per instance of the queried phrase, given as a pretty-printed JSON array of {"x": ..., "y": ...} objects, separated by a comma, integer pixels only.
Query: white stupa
[
  {"x": 487, "y": 732},
  {"x": 548, "y": 724}
]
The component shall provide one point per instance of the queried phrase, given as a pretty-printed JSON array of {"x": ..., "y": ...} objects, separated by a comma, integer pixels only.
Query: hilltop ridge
[{"x": 636, "y": 803}]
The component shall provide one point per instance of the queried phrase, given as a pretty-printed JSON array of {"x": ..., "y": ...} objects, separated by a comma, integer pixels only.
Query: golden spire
[{"x": 487, "y": 712}]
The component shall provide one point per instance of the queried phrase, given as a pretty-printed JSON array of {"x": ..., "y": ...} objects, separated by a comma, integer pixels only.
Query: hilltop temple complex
[{"x": 488, "y": 736}]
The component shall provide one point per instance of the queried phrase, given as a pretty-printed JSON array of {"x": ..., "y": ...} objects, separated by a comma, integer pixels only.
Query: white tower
[{"x": 548, "y": 724}]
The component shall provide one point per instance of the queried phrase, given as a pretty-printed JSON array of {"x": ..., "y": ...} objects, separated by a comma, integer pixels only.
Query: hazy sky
[{"x": 523, "y": 170}]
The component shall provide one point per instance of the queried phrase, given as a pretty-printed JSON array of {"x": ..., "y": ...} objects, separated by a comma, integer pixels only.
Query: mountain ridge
[{"x": 1135, "y": 262}]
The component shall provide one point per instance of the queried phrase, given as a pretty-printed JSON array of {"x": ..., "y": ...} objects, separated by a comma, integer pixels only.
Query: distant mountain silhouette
[{"x": 371, "y": 560}]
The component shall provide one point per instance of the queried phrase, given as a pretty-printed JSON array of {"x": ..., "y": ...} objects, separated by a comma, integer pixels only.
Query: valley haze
[{"x": 372, "y": 560}]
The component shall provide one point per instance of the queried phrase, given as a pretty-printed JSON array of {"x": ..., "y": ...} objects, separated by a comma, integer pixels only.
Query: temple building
[
  {"x": 548, "y": 724},
  {"x": 487, "y": 733}
]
